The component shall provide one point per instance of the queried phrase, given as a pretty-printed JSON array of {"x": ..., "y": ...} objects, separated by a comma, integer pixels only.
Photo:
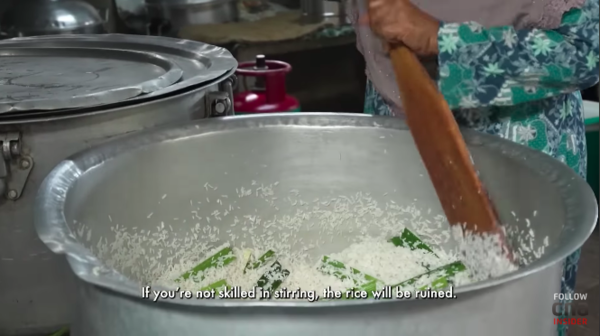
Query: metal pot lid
[
  {"x": 59, "y": 78},
  {"x": 26, "y": 16},
  {"x": 200, "y": 62},
  {"x": 22, "y": 118}
]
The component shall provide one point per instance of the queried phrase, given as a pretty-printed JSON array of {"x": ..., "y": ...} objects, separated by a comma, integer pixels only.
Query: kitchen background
[{"x": 328, "y": 71}]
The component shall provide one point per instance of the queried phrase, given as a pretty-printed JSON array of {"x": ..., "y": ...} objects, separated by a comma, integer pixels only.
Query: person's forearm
[{"x": 503, "y": 66}]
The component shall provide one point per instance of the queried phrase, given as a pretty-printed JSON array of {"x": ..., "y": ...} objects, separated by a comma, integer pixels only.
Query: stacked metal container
[{"x": 61, "y": 94}]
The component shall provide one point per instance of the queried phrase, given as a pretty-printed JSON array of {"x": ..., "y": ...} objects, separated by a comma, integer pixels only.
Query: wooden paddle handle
[{"x": 442, "y": 146}]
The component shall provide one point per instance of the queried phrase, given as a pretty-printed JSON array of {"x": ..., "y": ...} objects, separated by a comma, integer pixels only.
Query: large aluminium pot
[
  {"x": 121, "y": 181},
  {"x": 37, "y": 292}
]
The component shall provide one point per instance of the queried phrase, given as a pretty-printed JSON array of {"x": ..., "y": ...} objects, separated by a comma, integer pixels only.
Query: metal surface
[
  {"x": 313, "y": 11},
  {"x": 220, "y": 103},
  {"x": 59, "y": 78},
  {"x": 319, "y": 154},
  {"x": 15, "y": 166},
  {"x": 37, "y": 293},
  {"x": 185, "y": 98},
  {"x": 182, "y": 13},
  {"x": 151, "y": 17},
  {"x": 49, "y": 17},
  {"x": 484, "y": 313},
  {"x": 133, "y": 13},
  {"x": 201, "y": 63},
  {"x": 342, "y": 11}
]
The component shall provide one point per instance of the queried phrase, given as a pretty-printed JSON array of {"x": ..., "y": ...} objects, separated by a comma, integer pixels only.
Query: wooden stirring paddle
[{"x": 442, "y": 146}]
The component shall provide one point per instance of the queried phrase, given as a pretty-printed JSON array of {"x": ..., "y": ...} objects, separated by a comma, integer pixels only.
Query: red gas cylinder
[{"x": 268, "y": 94}]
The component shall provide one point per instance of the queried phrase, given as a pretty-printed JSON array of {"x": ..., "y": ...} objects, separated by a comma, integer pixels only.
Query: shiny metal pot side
[
  {"x": 38, "y": 289},
  {"x": 316, "y": 153}
]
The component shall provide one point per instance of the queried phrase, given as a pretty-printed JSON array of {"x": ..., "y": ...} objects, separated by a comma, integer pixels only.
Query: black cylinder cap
[{"x": 261, "y": 61}]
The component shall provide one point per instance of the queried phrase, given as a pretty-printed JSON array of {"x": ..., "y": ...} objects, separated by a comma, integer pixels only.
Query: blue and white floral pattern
[{"x": 522, "y": 85}]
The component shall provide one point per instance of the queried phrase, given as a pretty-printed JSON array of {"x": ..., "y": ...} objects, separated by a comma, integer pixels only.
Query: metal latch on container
[
  {"x": 220, "y": 103},
  {"x": 14, "y": 166}
]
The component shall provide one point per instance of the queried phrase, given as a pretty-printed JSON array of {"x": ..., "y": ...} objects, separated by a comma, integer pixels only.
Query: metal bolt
[
  {"x": 24, "y": 164},
  {"x": 12, "y": 194},
  {"x": 15, "y": 148},
  {"x": 219, "y": 102},
  {"x": 219, "y": 107}
]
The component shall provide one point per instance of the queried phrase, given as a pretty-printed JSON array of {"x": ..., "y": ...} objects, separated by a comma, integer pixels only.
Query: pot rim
[
  {"x": 211, "y": 61},
  {"x": 119, "y": 107},
  {"x": 581, "y": 210}
]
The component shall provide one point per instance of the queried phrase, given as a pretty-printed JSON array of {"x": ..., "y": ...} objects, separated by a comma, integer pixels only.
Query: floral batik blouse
[{"x": 522, "y": 85}]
